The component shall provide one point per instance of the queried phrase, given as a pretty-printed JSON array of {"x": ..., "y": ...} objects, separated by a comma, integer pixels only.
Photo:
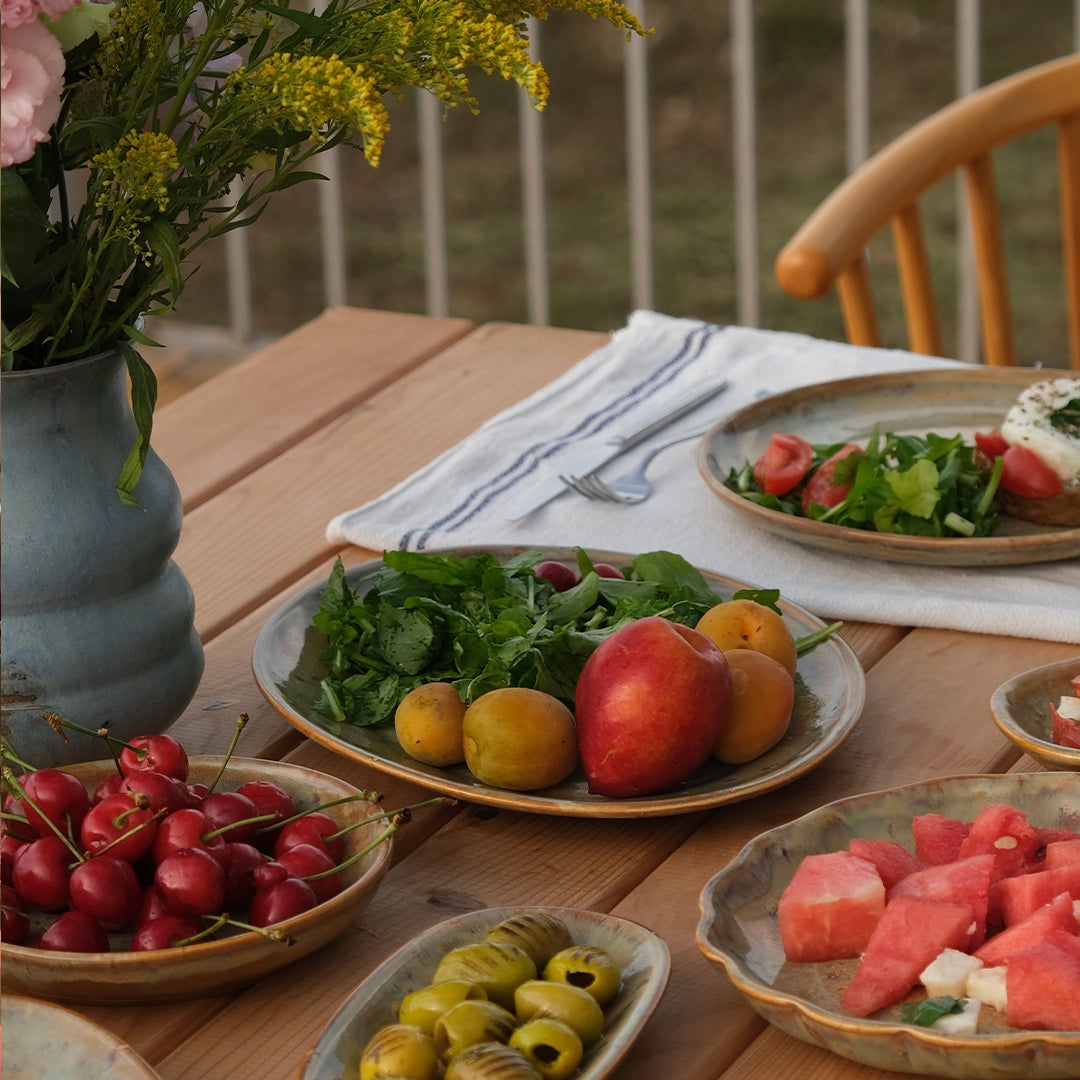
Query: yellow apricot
[
  {"x": 520, "y": 739},
  {"x": 428, "y": 723},
  {"x": 746, "y": 624},
  {"x": 763, "y": 694}
]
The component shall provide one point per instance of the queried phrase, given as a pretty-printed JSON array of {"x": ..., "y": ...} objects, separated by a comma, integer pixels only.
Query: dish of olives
[
  {"x": 582, "y": 958},
  {"x": 830, "y": 690}
]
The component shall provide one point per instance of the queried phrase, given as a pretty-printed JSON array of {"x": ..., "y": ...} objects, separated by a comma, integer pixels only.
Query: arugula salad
[
  {"x": 916, "y": 485},
  {"x": 480, "y": 624}
]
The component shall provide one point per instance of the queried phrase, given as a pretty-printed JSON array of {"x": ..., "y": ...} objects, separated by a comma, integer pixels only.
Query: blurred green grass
[{"x": 799, "y": 59}]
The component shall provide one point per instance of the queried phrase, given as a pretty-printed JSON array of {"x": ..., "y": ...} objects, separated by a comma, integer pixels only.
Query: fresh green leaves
[
  {"x": 909, "y": 484},
  {"x": 481, "y": 624},
  {"x": 925, "y": 1012}
]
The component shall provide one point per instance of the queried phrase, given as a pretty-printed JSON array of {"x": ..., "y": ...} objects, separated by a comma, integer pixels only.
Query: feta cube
[
  {"x": 947, "y": 974},
  {"x": 965, "y": 1022},
  {"x": 987, "y": 984}
]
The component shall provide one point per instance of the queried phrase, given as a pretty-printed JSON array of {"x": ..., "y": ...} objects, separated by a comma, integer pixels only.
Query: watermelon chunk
[
  {"x": 1043, "y": 986},
  {"x": 830, "y": 907},
  {"x": 1065, "y": 941},
  {"x": 938, "y": 838},
  {"x": 893, "y": 861},
  {"x": 908, "y": 936},
  {"x": 1058, "y": 914},
  {"x": 1060, "y": 852},
  {"x": 1004, "y": 832},
  {"x": 966, "y": 881},
  {"x": 1019, "y": 896}
]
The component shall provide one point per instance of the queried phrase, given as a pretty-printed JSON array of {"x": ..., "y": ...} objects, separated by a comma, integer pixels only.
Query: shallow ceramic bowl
[
  {"x": 1021, "y": 708},
  {"x": 642, "y": 957},
  {"x": 210, "y": 967},
  {"x": 49, "y": 1042},
  {"x": 738, "y": 929}
]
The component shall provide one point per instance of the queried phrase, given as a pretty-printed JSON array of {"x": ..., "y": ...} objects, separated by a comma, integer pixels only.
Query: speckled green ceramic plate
[
  {"x": 738, "y": 929},
  {"x": 642, "y": 957},
  {"x": 944, "y": 401},
  {"x": 48, "y": 1042},
  {"x": 829, "y": 685},
  {"x": 122, "y": 977},
  {"x": 1021, "y": 708}
]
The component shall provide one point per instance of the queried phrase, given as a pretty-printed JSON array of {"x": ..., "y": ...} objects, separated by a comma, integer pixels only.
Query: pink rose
[
  {"x": 31, "y": 79},
  {"x": 17, "y": 12}
]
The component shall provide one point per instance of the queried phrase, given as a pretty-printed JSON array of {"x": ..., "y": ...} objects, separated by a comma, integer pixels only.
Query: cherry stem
[
  {"x": 20, "y": 793},
  {"x": 6, "y": 815},
  {"x": 224, "y": 919},
  {"x": 119, "y": 822},
  {"x": 401, "y": 817},
  {"x": 234, "y": 825},
  {"x": 9, "y": 753},
  {"x": 56, "y": 722},
  {"x": 241, "y": 723},
  {"x": 362, "y": 796},
  {"x": 390, "y": 813}
]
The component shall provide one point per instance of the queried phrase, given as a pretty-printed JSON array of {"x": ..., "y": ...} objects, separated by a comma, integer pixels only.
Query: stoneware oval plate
[
  {"x": 738, "y": 929},
  {"x": 121, "y": 977},
  {"x": 946, "y": 402},
  {"x": 49, "y": 1042},
  {"x": 830, "y": 691},
  {"x": 1021, "y": 708},
  {"x": 642, "y": 957}
]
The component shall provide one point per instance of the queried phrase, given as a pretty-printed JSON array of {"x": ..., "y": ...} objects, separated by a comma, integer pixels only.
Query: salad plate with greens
[
  {"x": 883, "y": 466},
  {"x": 335, "y": 659}
]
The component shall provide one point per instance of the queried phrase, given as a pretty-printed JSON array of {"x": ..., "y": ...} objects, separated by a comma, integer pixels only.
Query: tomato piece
[
  {"x": 783, "y": 465},
  {"x": 1024, "y": 473},
  {"x": 822, "y": 487},
  {"x": 991, "y": 443}
]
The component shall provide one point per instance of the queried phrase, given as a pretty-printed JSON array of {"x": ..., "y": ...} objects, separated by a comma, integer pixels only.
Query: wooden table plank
[
  {"x": 261, "y": 534},
  {"x": 229, "y": 426}
]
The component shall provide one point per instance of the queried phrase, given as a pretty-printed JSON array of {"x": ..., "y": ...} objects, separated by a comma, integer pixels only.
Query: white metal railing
[{"x": 640, "y": 224}]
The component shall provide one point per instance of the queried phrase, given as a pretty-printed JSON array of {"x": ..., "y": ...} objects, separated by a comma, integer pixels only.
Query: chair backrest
[{"x": 830, "y": 247}]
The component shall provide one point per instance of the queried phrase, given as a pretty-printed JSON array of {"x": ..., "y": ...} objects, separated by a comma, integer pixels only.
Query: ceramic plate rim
[
  {"x": 752, "y": 987},
  {"x": 634, "y": 1018},
  {"x": 1050, "y": 544},
  {"x": 1062, "y": 756},
  {"x": 644, "y": 806}
]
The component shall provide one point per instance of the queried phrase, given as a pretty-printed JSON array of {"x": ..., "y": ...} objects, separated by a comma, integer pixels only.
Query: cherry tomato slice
[
  {"x": 991, "y": 443},
  {"x": 822, "y": 487},
  {"x": 784, "y": 463},
  {"x": 1023, "y": 472}
]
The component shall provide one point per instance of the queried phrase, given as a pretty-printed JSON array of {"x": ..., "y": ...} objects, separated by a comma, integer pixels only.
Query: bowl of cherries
[{"x": 158, "y": 877}]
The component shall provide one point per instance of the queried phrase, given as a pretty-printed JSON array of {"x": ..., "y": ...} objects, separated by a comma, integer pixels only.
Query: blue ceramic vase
[{"x": 98, "y": 621}]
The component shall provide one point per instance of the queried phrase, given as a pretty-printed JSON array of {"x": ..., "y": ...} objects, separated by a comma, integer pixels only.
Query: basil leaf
[{"x": 925, "y": 1012}]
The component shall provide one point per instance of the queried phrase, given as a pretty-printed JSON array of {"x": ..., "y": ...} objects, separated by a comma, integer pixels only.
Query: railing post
[
  {"x": 637, "y": 159},
  {"x": 746, "y": 230},
  {"x": 967, "y": 79},
  {"x": 436, "y": 278},
  {"x": 534, "y": 199}
]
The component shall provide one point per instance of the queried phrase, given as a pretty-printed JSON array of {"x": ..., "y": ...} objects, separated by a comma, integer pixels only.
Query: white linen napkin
[{"x": 463, "y": 497}]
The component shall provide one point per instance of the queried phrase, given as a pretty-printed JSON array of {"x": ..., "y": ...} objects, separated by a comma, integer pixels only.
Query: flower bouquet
[{"x": 134, "y": 132}]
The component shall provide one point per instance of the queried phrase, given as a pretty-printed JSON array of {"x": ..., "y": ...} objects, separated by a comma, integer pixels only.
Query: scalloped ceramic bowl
[
  {"x": 643, "y": 959},
  {"x": 218, "y": 966},
  {"x": 738, "y": 929},
  {"x": 1021, "y": 708}
]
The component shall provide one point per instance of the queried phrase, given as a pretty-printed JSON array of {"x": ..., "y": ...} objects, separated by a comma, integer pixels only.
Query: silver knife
[{"x": 593, "y": 455}]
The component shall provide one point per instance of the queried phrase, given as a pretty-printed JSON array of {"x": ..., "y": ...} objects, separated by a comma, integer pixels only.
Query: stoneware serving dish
[
  {"x": 49, "y": 1042},
  {"x": 217, "y": 966},
  {"x": 642, "y": 957},
  {"x": 1021, "y": 708},
  {"x": 738, "y": 929}
]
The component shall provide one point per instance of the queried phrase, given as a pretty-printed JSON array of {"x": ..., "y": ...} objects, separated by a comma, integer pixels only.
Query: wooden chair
[{"x": 830, "y": 248}]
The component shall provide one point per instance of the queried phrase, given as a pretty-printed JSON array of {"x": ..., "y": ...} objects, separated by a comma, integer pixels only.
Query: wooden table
[{"x": 324, "y": 420}]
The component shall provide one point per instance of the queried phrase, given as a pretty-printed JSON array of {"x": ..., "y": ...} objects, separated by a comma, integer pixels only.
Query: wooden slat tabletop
[{"x": 335, "y": 414}]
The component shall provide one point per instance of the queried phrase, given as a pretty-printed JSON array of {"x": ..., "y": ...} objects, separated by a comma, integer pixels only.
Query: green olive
[
  {"x": 587, "y": 966},
  {"x": 469, "y": 1023},
  {"x": 560, "y": 1001},
  {"x": 491, "y": 1061},
  {"x": 400, "y": 1051},
  {"x": 554, "y": 1048},
  {"x": 541, "y": 935},
  {"x": 423, "y": 1007},
  {"x": 495, "y": 966}
]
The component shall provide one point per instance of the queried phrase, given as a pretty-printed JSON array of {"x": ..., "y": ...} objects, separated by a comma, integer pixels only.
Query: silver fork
[{"x": 632, "y": 487}]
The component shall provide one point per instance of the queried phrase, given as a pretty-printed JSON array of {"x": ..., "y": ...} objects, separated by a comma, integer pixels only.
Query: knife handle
[{"x": 656, "y": 421}]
